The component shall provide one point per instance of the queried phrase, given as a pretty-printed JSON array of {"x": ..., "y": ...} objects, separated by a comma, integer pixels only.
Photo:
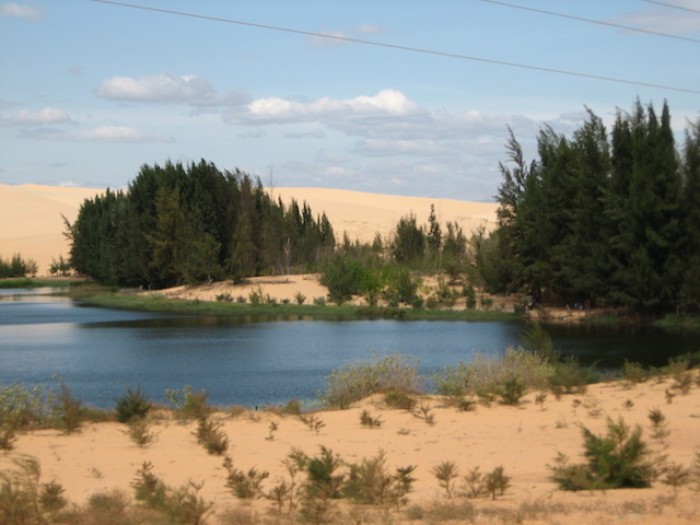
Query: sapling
[{"x": 446, "y": 472}]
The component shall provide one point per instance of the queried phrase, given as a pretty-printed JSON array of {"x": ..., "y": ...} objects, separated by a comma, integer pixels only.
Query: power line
[
  {"x": 593, "y": 21},
  {"x": 674, "y": 6},
  {"x": 424, "y": 51}
]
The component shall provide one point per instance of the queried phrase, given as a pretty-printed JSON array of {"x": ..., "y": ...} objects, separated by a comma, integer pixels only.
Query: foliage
[
  {"x": 570, "y": 377},
  {"x": 180, "y": 506},
  {"x": 244, "y": 485},
  {"x": 189, "y": 223},
  {"x": 601, "y": 218},
  {"x": 371, "y": 483},
  {"x": 140, "y": 433},
  {"x": 211, "y": 437},
  {"x": 509, "y": 376},
  {"x": 323, "y": 485},
  {"x": 189, "y": 404},
  {"x": 132, "y": 405},
  {"x": 366, "y": 420},
  {"x": 357, "y": 381},
  {"x": 24, "y": 408},
  {"x": 69, "y": 412},
  {"x": 446, "y": 473},
  {"x": 16, "y": 266},
  {"x": 617, "y": 460}
]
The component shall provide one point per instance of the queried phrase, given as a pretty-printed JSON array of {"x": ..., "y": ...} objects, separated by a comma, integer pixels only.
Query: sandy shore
[
  {"x": 523, "y": 439},
  {"x": 33, "y": 226}
]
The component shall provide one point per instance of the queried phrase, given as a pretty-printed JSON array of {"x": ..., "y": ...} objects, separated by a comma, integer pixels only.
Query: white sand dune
[{"x": 32, "y": 223}]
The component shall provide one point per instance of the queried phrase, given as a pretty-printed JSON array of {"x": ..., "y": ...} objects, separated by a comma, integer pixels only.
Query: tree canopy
[
  {"x": 603, "y": 218},
  {"x": 189, "y": 223}
]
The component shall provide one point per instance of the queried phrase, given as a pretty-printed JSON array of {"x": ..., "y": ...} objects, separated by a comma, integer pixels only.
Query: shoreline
[{"x": 523, "y": 439}]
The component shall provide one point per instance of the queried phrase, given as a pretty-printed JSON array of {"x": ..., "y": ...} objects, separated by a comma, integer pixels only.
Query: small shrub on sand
[
  {"x": 211, "y": 437},
  {"x": 189, "y": 404},
  {"x": 570, "y": 377},
  {"x": 355, "y": 382},
  {"x": 400, "y": 400},
  {"x": 68, "y": 411},
  {"x": 633, "y": 373},
  {"x": 370, "y": 482},
  {"x": 618, "y": 460},
  {"x": 140, "y": 433},
  {"x": 508, "y": 377},
  {"x": 132, "y": 405},
  {"x": 322, "y": 486},
  {"x": 24, "y": 408},
  {"x": 446, "y": 473},
  {"x": 177, "y": 505},
  {"x": 366, "y": 420},
  {"x": 312, "y": 421},
  {"x": 244, "y": 485}
]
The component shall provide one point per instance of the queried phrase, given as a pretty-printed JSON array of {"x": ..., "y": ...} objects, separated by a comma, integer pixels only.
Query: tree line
[
  {"x": 180, "y": 224},
  {"x": 601, "y": 218}
]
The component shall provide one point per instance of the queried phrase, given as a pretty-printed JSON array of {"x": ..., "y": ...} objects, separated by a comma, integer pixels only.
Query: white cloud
[
  {"x": 329, "y": 39},
  {"x": 11, "y": 9},
  {"x": 166, "y": 88},
  {"x": 273, "y": 110},
  {"x": 47, "y": 115},
  {"x": 664, "y": 20},
  {"x": 106, "y": 134}
]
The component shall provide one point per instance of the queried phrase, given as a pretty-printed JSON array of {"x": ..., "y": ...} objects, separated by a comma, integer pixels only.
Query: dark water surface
[{"x": 97, "y": 352}]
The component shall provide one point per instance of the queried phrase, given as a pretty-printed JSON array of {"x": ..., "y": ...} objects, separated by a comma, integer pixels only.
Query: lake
[{"x": 97, "y": 352}]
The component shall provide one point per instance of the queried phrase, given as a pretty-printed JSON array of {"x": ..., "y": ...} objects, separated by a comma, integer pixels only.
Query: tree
[{"x": 409, "y": 241}]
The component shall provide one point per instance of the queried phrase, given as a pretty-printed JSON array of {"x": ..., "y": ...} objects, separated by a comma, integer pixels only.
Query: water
[{"x": 97, "y": 352}]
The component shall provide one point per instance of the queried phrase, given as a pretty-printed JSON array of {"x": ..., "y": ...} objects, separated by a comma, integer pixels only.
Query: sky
[{"x": 408, "y": 97}]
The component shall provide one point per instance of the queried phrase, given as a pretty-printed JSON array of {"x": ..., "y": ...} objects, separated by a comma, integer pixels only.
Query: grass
[
  {"x": 27, "y": 282},
  {"x": 266, "y": 311}
]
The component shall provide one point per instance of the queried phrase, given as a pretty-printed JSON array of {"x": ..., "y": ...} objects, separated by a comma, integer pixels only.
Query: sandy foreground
[
  {"x": 32, "y": 224},
  {"x": 522, "y": 439}
]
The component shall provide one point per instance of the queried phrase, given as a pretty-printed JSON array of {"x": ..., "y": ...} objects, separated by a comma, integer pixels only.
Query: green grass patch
[
  {"x": 101, "y": 296},
  {"x": 27, "y": 282},
  {"x": 675, "y": 322}
]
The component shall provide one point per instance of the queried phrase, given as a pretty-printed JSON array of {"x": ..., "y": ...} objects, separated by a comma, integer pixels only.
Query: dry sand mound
[{"x": 32, "y": 224}]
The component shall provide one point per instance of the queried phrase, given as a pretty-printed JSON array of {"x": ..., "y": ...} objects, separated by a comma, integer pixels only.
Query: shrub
[
  {"x": 514, "y": 373},
  {"x": 400, "y": 400},
  {"x": 244, "y": 485},
  {"x": 633, "y": 373},
  {"x": 19, "y": 492},
  {"x": 181, "y": 505},
  {"x": 370, "y": 482},
  {"x": 132, "y": 405},
  {"x": 570, "y": 377},
  {"x": 366, "y": 420},
  {"x": 224, "y": 297},
  {"x": 496, "y": 482},
  {"x": 140, "y": 433},
  {"x": 537, "y": 340},
  {"x": 299, "y": 298},
  {"x": 446, "y": 472},
  {"x": 511, "y": 390},
  {"x": 51, "y": 496},
  {"x": 344, "y": 277},
  {"x": 617, "y": 460},
  {"x": 313, "y": 422},
  {"x": 323, "y": 484},
  {"x": 211, "y": 437},
  {"x": 22, "y": 408},
  {"x": 354, "y": 382},
  {"x": 189, "y": 404},
  {"x": 68, "y": 411}
]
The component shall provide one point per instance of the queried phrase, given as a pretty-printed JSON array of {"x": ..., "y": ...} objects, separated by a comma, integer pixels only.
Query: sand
[
  {"x": 32, "y": 223},
  {"x": 524, "y": 440}
]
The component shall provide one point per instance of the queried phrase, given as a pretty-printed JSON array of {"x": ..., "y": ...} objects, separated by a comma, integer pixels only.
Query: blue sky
[{"x": 90, "y": 91}]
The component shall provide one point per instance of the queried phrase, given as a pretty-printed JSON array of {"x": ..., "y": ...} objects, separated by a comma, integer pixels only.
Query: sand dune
[
  {"x": 32, "y": 224},
  {"x": 524, "y": 440}
]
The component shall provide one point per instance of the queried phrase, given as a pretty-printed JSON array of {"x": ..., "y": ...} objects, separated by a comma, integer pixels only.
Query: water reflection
[{"x": 98, "y": 352}]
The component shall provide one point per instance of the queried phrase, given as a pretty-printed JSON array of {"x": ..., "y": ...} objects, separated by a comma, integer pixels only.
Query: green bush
[
  {"x": 357, "y": 381},
  {"x": 371, "y": 483},
  {"x": 399, "y": 399},
  {"x": 189, "y": 404},
  {"x": 618, "y": 460},
  {"x": 344, "y": 277},
  {"x": 211, "y": 437},
  {"x": 69, "y": 412},
  {"x": 633, "y": 372},
  {"x": 570, "y": 377},
  {"x": 24, "y": 408},
  {"x": 509, "y": 376},
  {"x": 132, "y": 405}
]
